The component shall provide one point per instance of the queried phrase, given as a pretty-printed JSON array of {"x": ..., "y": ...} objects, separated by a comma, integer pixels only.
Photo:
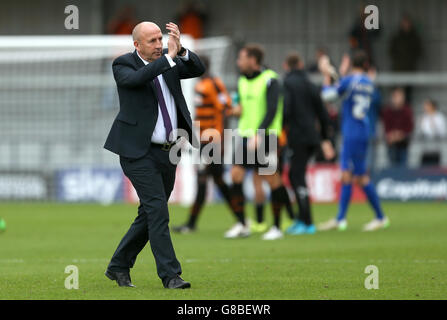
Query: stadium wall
[{"x": 280, "y": 25}]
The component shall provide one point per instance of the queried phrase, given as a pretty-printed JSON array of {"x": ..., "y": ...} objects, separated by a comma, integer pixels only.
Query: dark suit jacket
[{"x": 131, "y": 132}]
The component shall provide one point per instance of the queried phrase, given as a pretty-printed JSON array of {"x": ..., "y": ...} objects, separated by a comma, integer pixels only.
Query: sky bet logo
[{"x": 90, "y": 184}]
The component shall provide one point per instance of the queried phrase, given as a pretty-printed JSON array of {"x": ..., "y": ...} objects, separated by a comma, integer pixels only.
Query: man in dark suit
[{"x": 152, "y": 112}]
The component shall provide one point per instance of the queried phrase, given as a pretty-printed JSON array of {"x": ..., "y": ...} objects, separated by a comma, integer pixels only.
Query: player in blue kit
[{"x": 356, "y": 90}]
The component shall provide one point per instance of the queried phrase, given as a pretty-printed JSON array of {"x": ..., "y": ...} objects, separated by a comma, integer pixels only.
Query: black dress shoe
[
  {"x": 122, "y": 278},
  {"x": 177, "y": 283}
]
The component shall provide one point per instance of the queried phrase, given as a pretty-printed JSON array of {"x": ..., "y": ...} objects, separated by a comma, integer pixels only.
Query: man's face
[
  {"x": 245, "y": 63},
  {"x": 405, "y": 24},
  {"x": 149, "y": 44},
  {"x": 398, "y": 99},
  {"x": 428, "y": 107}
]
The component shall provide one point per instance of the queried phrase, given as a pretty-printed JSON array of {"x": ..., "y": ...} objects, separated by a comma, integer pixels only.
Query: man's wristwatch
[{"x": 181, "y": 51}]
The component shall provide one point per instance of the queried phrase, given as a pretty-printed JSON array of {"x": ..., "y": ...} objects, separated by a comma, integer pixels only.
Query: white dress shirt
[
  {"x": 433, "y": 125},
  {"x": 159, "y": 134}
]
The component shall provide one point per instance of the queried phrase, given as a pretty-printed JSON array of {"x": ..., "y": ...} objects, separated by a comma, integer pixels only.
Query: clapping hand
[
  {"x": 327, "y": 69},
  {"x": 174, "y": 45}
]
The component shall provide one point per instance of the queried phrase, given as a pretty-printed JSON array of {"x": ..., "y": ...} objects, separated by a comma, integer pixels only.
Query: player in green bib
[
  {"x": 260, "y": 123},
  {"x": 252, "y": 96}
]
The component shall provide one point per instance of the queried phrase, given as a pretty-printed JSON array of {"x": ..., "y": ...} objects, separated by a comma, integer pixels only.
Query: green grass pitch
[{"x": 42, "y": 239}]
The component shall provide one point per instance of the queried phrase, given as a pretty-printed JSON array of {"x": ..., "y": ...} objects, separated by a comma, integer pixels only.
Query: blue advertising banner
[
  {"x": 90, "y": 185},
  {"x": 412, "y": 184},
  {"x": 24, "y": 186}
]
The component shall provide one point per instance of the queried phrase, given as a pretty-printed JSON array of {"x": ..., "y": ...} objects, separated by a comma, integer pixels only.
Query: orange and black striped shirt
[{"x": 212, "y": 104}]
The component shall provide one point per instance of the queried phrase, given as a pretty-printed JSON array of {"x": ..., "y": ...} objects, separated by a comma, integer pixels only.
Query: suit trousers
[{"x": 153, "y": 178}]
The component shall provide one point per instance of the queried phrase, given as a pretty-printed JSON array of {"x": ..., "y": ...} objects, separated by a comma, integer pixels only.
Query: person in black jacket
[
  {"x": 152, "y": 110},
  {"x": 304, "y": 114}
]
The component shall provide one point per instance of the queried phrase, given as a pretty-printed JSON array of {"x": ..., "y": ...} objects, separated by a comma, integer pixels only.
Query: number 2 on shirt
[{"x": 361, "y": 105}]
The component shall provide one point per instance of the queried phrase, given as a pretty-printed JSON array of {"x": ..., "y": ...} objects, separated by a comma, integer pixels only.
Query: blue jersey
[
  {"x": 374, "y": 111},
  {"x": 356, "y": 90}
]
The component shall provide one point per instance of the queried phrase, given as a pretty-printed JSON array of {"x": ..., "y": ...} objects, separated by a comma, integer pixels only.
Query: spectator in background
[
  {"x": 398, "y": 123},
  {"x": 432, "y": 128},
  {"x": 405, "y": 47},
  {"x": 361, "y": 38},
  {"x": 405, "y": 50},
  {"x": 123, "y": 22},
  {"x": 192, "y": 19},
  {"x": 313, "y": 66}
]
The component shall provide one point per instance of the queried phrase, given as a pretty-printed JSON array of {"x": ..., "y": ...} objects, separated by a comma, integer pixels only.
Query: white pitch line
[{"x": 12, "y": 261}]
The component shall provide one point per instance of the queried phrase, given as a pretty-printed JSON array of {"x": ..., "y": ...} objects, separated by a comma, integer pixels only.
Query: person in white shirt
[{"x": 432, "y": 130}]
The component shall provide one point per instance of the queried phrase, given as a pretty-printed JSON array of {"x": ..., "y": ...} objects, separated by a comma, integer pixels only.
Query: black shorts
[
  {"x": 282, "y": 157},
  {"x": 209, "y": 166},
  {"x": 266, "y": 156}
]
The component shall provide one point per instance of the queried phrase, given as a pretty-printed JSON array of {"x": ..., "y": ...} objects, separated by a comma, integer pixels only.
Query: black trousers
[
  {"x": 301, "y": 155},
  {"x": 153, "y": 178}
]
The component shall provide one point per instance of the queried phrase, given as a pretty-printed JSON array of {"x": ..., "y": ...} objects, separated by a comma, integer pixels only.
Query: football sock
[
  {"x": 373, "y": 199},
  {"x": 345, "y": 198},
  {"x": 223, "y": 188},
  {"x": 260, "y": 212},
  {"x": 198, "y": 204},
  {"x": 238, "y": 202},
  {"x": 279, "y": 196}
]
